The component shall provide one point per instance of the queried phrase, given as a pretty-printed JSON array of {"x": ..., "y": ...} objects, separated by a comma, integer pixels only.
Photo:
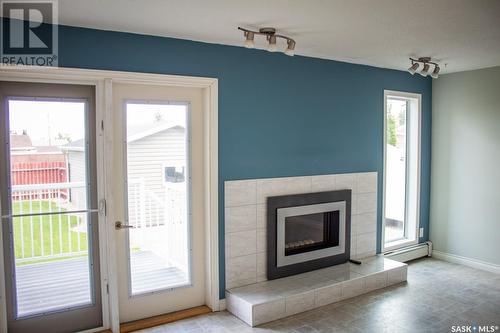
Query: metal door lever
[{"x": 119, "y": 225}]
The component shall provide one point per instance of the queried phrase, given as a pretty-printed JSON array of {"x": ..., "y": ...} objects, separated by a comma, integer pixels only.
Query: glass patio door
[{"x": 49, "y": 207}]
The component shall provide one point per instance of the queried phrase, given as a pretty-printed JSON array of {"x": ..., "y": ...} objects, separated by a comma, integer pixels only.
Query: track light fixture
[
  {"x": 271, "y": 37},
  {"x": 426, "y": 62}
]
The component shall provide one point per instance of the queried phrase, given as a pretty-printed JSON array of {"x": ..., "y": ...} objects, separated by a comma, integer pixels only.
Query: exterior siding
[
  {"x": 76, "y": 161},
  {"x": 146, "y": 159},
  {"x": 76, "y": 165}
]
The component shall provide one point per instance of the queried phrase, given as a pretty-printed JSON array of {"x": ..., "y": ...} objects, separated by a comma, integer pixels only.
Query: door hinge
[
  {"x": 107, "y": 288},
  {"x": 102, "y": 125},
  {"x": 102, "y": 206}
]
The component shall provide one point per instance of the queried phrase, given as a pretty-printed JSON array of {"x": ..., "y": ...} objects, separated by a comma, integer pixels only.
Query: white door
[{"x": 158, "y": 198}]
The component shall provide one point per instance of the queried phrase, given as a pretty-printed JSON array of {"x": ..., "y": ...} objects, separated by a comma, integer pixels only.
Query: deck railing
[
  {"x": 160, "y": 221},
  {"x": 48, "y": 223},
  {"x": 45, "y": 225}
]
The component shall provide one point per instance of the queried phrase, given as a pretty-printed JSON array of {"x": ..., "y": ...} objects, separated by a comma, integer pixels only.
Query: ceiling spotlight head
[
  {"x": 272, "y": 43},
  {"x": 425, "y": 70},
  {"x": 435, "y": 73},
  {"x": 290, "y": 48},
  {"x": 249, "y": 39},
  {"x": 413, "y": 68}
]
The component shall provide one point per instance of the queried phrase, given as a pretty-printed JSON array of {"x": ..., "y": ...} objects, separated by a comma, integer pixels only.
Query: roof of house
[
  {"x": 20, "y": 141},
  {"x": 21, "y": 144},
  {"x": 135, "y": 133},
  {"x": 76, "y": 145}
]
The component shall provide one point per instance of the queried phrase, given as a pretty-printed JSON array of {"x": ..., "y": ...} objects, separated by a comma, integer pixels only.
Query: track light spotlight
[
  {"x": 249, "y": 39},
  {"x": 425, "y": 70},
  {"x": 290, "y": 49},
  {"x": 272, "y": 43},
  {"x": 435, "y": 73},
  {"x": 271, "y": 37},
  {"x": 413, "y": 68}
]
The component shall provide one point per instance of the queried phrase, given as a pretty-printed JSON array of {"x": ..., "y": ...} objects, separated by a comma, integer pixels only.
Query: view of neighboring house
[{"x": 162, "y": 170}]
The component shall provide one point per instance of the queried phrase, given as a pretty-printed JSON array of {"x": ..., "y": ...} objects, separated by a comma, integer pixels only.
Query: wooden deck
[{"x": 55, "y": 285}]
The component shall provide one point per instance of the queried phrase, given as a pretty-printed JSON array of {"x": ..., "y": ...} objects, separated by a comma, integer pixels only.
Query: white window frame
[{"x": 409, "y": 230}]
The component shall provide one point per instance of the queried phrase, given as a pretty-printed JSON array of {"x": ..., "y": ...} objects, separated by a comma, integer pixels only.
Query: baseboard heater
[{"x": 411, "y": 252}]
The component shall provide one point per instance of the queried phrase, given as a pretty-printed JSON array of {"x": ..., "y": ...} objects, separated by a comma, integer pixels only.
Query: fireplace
[{"x": 307, "y": 232}]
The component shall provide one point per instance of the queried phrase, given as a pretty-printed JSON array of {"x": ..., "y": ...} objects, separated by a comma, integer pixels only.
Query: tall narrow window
[{"x": 401, "y": 169}]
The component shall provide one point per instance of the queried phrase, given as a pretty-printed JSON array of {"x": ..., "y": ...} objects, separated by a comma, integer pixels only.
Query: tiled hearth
[
  {"x": 245, "y": 218},
  {"x": 271, "y": 300}
]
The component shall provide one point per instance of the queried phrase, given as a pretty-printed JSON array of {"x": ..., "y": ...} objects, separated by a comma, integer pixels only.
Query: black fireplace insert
[{"x": 307, "y": 232}]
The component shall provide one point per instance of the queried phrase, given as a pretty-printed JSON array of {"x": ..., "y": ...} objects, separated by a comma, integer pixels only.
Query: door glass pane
[
  {"x": 157, "y": 184},
  {"x": 396, "y": 156},
  {"x": 48, "y": 171}
]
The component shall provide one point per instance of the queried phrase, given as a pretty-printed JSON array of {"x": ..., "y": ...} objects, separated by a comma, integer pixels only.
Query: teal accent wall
[{"x": 278, "y": 115}]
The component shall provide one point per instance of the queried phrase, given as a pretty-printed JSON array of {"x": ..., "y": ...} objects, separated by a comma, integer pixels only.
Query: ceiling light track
[
  {"x": 426, "y": 62},
  {"x": 271, "y": 37}
]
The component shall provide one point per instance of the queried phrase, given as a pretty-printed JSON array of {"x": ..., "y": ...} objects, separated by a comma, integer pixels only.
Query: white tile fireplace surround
[{"x": 246, "y": 218}]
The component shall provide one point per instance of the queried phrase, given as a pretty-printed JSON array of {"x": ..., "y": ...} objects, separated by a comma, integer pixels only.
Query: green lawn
[{"x": 50, "y": 225}]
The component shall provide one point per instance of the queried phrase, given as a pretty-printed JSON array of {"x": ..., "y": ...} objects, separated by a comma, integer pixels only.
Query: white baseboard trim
[
  {"x": 411, "y": 252},
  {"x": 479, "y": 264}
]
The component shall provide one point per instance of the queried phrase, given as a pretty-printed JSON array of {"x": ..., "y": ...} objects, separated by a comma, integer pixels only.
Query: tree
[{"x": 392, "y": 139}]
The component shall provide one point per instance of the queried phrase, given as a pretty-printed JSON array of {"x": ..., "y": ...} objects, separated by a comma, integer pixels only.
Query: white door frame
[{"x": 103, "y": 81}]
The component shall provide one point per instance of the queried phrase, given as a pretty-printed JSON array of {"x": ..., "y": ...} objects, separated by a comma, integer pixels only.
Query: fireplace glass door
[{"x": 311, "y": 232}]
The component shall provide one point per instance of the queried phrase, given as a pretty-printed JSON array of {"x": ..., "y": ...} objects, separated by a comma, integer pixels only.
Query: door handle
[{"x": 119, "y": 225}]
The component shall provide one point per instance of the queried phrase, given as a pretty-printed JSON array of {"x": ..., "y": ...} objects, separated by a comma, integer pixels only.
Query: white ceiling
[{"x": 459, "y": 34}]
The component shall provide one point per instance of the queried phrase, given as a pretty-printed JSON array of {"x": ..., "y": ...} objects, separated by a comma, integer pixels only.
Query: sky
[
  {"x": 43, "y": 121},
  {"x": 46, "y": 119},
  {"x": 150, "y": 115}
]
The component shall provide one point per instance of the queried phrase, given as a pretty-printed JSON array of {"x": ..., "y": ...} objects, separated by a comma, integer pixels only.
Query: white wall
[{"x": 465, "y": 182}]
